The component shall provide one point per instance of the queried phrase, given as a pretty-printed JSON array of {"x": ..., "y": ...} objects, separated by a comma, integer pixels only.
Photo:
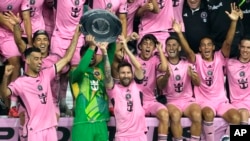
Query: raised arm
[
  {"x": 15, "y": 20},
  {"x": 4, "y": 90},
  {"x": 85, "y": 61},
  {"x": 164, "y": 63},
  {"x": 123, "y": 19},
  {"x": 234, "y": 16},
  {"x": 149, "y": 6},
  {"x": 184, "y": 44},
  {"x": 27, "y": 26},
  {"x": 109, "y": 82},
  {"x": 138, "y": 68},
  {"x": 70, "y": 51}
]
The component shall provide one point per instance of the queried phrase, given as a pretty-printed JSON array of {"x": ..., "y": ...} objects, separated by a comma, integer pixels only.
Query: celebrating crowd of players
[{"x": 194, "y": 53}]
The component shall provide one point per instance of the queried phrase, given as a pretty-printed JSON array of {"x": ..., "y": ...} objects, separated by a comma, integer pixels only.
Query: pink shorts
[
  {"x": 49, "y": 134},
  {"x": 8, "y": 47},
  {"x": 182, "y": 105},
  {"x": 59, "y": 46},
  {"x": 219, "y": 108},
  {"x": 242, "y": 105},
  {"x": 142, "y": 137},
  {"x": 152, "y": 107}
]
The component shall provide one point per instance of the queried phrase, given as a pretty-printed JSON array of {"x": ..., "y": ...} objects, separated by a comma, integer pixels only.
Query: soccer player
[
  {"x": 237, "y": 73},
  {"x": 176, "y": 86},
  {"x": 151, "y": 64},
  {"x": 34, "y": 90},
  {"x": 155, "y": 19},
  {"x": 118, "y": 7},
  {"x": 8, "y": 48},
  {"x": 41, "y": 41},
  {"x": 37, "y": 22},
  {"x": 126, "y": 95},
  {"x": 91, "y": 100},
  {"x": 211, "y": 94}
]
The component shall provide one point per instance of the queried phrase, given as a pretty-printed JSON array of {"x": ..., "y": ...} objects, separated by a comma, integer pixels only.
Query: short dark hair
[
  {"x": 149, "y": 37},
  {"x": 208, "y": 37},
  {"x": 28, "y": 51},
  {"x": 84, "y": 48},
  {"x": 124, "y": 64},
  {"x": 245, "y": 38},
  {"x": 40, "y": 32},
  {"x": 173, "y": 38}
]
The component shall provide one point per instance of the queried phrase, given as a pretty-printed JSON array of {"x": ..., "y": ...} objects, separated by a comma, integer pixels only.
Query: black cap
[{"x": 40, "y": 32}]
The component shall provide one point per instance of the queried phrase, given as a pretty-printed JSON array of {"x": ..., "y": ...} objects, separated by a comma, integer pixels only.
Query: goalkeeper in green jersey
[{"x": 88, "y": 89}]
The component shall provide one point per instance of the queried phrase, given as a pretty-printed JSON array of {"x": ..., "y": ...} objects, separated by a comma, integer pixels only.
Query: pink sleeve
[
  {"x": 15, "y": 88},
  {"x": 123, "y": 7},
  {"x": 25, "y": 5},
  {"x": 50, "y": 72}
]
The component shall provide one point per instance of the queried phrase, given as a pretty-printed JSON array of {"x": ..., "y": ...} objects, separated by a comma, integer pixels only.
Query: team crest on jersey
[
  {"x": 177, "y": 77},
  {"x": 40, "y": 87},
  {"x": 243, "y": 82},
  {"x": 94, "y": 85},
  {"x": 204, "y": 16},
  {"x": 9, "y": 7},
  {"x": 32, "y": 2},
  {"x": 209, "y": 78}
]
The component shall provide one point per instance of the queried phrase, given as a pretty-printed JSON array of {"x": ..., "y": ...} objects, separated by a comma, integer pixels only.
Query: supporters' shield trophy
[{"x": 101, "y": 24}]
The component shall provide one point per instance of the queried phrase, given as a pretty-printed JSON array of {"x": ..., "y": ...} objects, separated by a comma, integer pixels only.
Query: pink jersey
[
  {"x": 68, "y": 14},
  {"x": 151, "y": 22},
  {"x": 116, "y": 6},
  {"x": 16, "y": 6},
  {"x": 129, "y": 114},
  {"x": 238, "y": 75},
  {"x": 35, "y": 93},
  {"x": 212, "y": 78},
  {"x": 55, "y": 83},
  {"x": 178, "y": 7},
  {"x": 179, "y": 83},
  {"x": 149, "y": 83},
  {"x": 132, "y": 8},
  {"x": 36, "y": 17}
]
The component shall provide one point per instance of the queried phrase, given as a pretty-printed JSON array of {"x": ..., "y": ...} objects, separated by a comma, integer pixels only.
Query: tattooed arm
[{"x": 108, "y": 80}]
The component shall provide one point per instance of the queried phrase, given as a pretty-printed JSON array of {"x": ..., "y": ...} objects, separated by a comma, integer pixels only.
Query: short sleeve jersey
[
  {"x": 36, "y": 95},
  {"x": 212, "y": 78},
  {"x": 128, "y": 110}
]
